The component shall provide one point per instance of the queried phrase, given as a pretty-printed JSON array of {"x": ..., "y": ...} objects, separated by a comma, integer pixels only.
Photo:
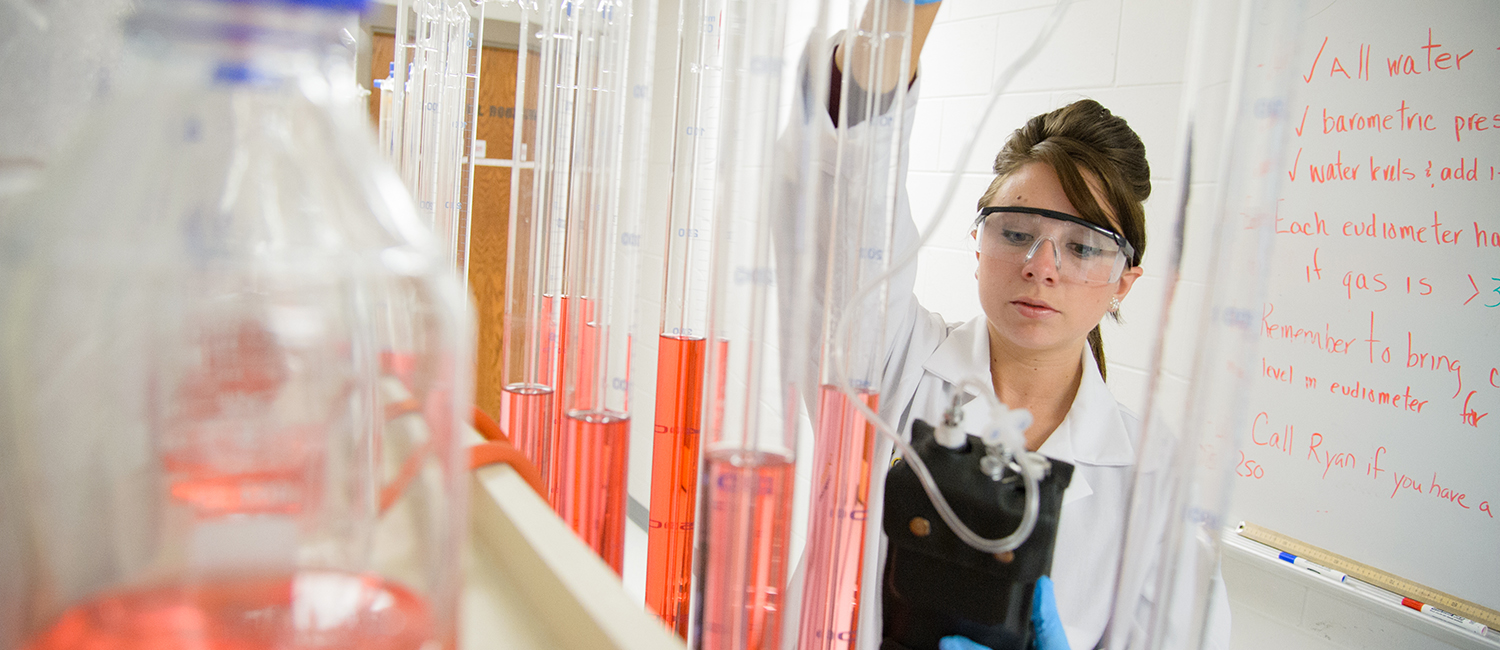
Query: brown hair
[{"x": 1085, "y": 136}]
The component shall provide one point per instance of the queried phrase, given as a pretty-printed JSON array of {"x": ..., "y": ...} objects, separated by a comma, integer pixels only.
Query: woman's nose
[{"x": 1042, "y": 261}]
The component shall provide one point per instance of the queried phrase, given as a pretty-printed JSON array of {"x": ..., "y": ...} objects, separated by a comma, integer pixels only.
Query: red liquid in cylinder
[
  {"x": 674, "y": 478},
  {"x": 313, "y": 611},
  {"x": 526, "y": 416},
  {"x": 842, "y": 452},
  {"x": 749, "y": 521},
  {"x": 580, "y": 347},
  {"x": 592, "y": 451},
  {"x": 577, "y": 361}
]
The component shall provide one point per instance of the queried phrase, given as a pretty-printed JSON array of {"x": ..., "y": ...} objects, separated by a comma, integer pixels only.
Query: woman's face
[{"x": 1029, "y": 304}]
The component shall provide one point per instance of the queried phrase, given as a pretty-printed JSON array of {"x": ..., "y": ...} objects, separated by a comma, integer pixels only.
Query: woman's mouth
[{"x": 1033, "y": 308}]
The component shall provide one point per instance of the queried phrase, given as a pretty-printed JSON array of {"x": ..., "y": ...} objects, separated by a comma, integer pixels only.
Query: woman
[
  {"x": 1059, "y": 237},
  {"x": 1059, "y": 240}
]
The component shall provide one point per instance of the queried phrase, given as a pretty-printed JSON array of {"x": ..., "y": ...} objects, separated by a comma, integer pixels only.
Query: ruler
[{"x": 1388, "y": 581}]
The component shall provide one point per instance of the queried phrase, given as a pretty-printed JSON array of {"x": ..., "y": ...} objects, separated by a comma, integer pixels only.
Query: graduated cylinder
[
  {"x": 575, "y": 254},
  {"x": 682, "y": 348},
  {"x": 545, "y": 69},
  {"x": 753, "y": 394},
  {"x": 866, "y": 100}
]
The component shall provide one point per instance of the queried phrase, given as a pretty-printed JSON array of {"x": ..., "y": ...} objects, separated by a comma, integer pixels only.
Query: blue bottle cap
[{"x": 333, "y": 5}]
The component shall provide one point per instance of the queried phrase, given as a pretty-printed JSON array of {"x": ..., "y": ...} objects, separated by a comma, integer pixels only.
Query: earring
[{"x": 1114, "y": 306}]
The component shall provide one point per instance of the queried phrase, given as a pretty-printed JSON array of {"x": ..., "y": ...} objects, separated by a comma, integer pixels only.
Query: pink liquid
[
  {"x": 402, "y": 365},
  {"x": 580, "y": 347},
  {"x": 674, "y": 478},
  {"x": 842, "y": 452},
  {"x": 313, "y": 611},
  {"x": 749, "y": 520},
  {"x": 224, "y": 449},
  {"x": 526, "y": 416},
  {"x": 592, "y": 453},
  {"x": 233, "y": 466},
  {"x": 575, "y": 361}
]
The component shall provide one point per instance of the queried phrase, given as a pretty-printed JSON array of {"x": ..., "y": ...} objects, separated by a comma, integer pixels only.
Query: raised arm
[
  {"x": 922, "y": 17},
  {"x": 864, "y": 149}
]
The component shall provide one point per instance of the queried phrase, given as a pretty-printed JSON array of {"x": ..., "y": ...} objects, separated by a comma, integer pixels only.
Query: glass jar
[{"x": 232, "y": 360}]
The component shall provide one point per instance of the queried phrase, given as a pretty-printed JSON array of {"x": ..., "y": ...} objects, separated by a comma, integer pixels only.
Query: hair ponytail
[{"x": 1096, "y": 343}]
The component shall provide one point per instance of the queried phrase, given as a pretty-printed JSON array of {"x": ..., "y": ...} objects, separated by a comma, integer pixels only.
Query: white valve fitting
[
  {"x": 1007, "y": 430},
  {"x": 948, "y": 432}
]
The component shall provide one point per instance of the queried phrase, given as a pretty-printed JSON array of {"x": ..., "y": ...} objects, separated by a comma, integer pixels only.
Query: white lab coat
[
  {"x": 1099, "y": 437},
  {"x": 925, "y": 358}
]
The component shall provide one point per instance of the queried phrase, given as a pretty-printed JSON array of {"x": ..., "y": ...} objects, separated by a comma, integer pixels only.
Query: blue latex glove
[
  {"x": 959, "y": 643},
  {"x": 1046, "y": 627}
]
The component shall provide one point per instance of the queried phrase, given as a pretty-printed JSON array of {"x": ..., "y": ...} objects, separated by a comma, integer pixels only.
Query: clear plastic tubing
[
  {"x": 602, "y": 258},
  {"x": 529, "y": 408},
  {"x": 751, "y": 406},
  {"x": 682, "y": 348},
  {"x": 872, "y": 93},
  {"x": 235, "y": 359}
]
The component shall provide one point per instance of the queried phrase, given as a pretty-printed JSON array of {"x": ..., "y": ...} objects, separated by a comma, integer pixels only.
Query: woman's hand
[
  {"x": 1046, "y": 627},
  {"x": 959, "y": 643}
]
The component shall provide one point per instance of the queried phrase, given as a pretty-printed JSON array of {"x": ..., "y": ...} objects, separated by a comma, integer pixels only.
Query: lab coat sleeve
[{"x": 815, "y": 252}]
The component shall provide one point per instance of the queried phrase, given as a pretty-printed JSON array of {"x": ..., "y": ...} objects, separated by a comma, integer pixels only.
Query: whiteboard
[{"x": 1375, "y": 418}]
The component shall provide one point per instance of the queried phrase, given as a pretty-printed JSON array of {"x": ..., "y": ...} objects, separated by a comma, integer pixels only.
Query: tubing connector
[
  {"x": 948, "y": 433},
  {"x": 1005, "y": 440}
]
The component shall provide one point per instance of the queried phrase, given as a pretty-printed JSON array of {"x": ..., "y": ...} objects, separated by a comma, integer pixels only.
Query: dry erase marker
[
  {"x": 1313, "y": 567},
  {"x": 1472, "y": 626}
]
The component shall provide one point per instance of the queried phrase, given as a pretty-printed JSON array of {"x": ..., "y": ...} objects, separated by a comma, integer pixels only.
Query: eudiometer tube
[
  {"x": 750, "y": 405},
  {"x": 682, "y": 348},
  {"x": 602, "y": 258},
  {"x": 545, "y": 81},
  {"x": 853, "y": 243}
]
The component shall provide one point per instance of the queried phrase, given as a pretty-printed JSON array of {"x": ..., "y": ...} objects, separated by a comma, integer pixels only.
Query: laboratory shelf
[{"x": 531, "y": 583}]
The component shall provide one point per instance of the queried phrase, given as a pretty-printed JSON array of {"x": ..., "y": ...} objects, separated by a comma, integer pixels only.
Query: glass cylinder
[
  {"x": 234, "y": 358},
  {"x": 602, "y": 257},
  {"x": 547, "y": 64},
  {"x": 856, "y": 244},
  {"x": 1236, "y": 114},
  {"x": 753, "y": 381},
  {"x": 437, "y": 51},
  {"x": 682, "y": 347}
]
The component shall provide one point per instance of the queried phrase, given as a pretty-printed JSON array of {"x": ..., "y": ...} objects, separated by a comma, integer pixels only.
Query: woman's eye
[
  {"x": 1085, "y": 251},
  {"x": 1016, "y": 237}
]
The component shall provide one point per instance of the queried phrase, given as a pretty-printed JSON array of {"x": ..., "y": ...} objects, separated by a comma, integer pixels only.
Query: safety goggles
[{"x": 1083, "y": 252}]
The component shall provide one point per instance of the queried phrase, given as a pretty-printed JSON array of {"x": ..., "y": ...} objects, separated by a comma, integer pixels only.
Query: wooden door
[{"x": 489, "y": 219}]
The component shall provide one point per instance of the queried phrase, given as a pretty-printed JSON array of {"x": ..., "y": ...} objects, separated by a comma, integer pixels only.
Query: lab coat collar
[{"x": 1092, "y": 433}]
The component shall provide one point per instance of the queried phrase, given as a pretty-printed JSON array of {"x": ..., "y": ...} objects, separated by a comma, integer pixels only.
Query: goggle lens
[{"x": 1079, "y": 253}]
